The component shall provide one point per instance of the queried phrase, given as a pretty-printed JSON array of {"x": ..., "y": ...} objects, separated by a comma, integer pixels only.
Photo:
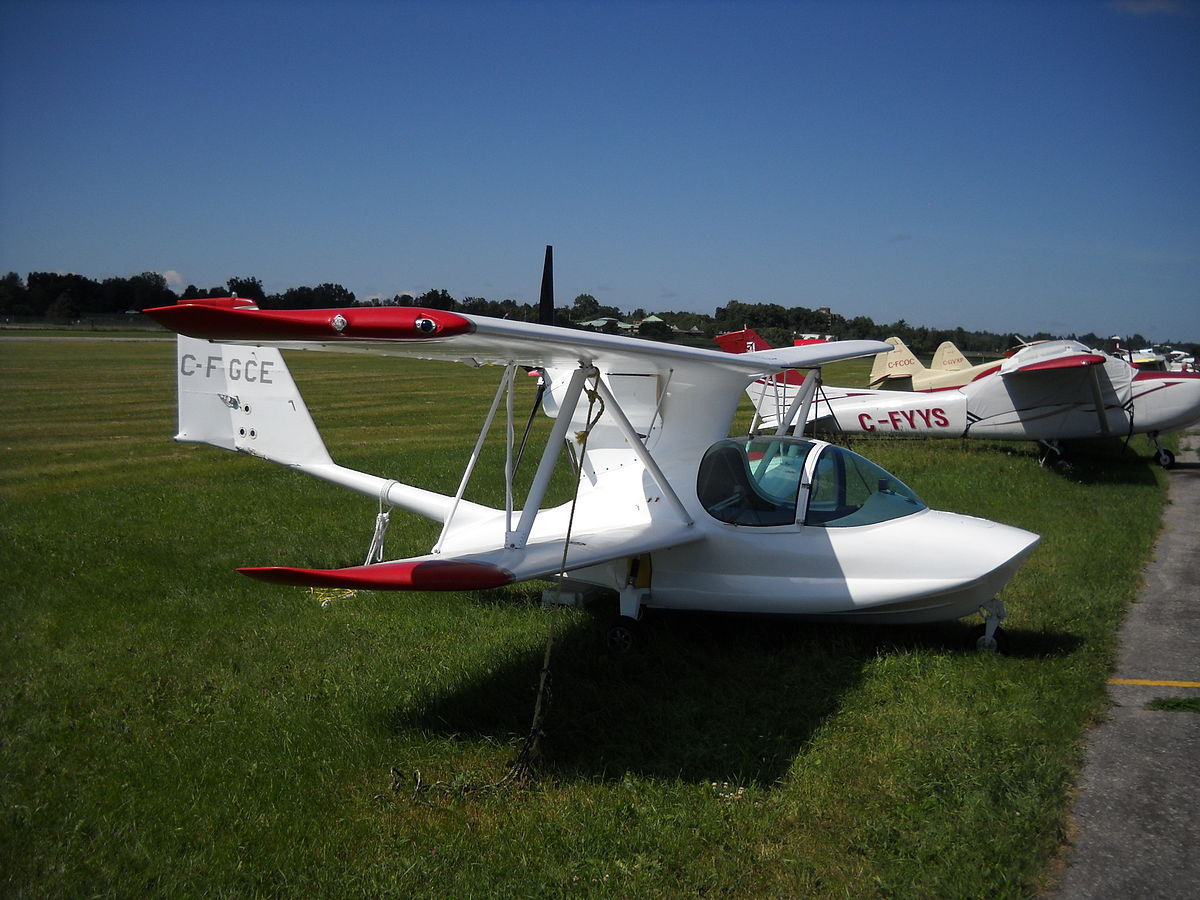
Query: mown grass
[{"x": 169, "y": 727}]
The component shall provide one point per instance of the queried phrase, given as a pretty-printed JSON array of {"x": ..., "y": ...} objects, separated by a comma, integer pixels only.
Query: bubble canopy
[{"x": 767, "y": 481}]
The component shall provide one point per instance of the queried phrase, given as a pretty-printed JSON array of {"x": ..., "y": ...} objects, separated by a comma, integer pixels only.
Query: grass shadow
[
  {"x": 707, "y": 698},
  {"x": 1105, "y": 461}
]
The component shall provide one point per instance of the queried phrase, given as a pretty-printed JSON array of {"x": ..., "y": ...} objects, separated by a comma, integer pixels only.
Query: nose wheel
[{"x": 993, "y": 613}]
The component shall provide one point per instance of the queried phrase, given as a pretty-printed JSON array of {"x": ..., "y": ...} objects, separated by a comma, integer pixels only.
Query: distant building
[{"x": 605, "y": 322}]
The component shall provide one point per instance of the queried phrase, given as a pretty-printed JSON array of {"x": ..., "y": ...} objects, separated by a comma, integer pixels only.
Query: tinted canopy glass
[
  {"x": 849, "y": 490},
  {"x": 753, "y": 481}
]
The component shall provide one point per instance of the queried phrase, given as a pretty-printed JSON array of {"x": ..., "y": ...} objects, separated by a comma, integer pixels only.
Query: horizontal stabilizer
[{"x": 403, "y": 575}]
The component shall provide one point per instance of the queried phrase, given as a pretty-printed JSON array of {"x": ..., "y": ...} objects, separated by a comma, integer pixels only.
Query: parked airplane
[
  {"x": 670, "y": 511},
  {"x": 900, "y": 369},
  {"x": 1049, "y": 392}
]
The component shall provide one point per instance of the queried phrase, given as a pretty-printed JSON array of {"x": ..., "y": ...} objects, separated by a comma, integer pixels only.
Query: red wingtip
[
  {"x": 234, "y": 319},
  {"x": 1074, "y": 361},
  {"x": 404, "y": 575}
]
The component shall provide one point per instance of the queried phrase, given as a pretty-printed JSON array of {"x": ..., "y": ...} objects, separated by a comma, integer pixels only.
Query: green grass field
[{"x": 172, "y": 728}]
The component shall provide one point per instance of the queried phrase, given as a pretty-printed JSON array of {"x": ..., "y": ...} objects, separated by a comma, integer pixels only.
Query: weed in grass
[
  {"x": 1175, "y": 704},
  {"x": 167, "y": 726}
]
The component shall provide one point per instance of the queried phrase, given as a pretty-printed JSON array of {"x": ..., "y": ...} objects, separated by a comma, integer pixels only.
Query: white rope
[{"x": 382, "y": 520}]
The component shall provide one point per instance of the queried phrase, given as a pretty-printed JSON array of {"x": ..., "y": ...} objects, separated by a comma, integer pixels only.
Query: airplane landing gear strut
[
  {"x": 1054, "y": 453},
  {"x": 993, "y": 613},
  {"x": 1162, "y": 455},
  {"x": 622, "y": 635}
]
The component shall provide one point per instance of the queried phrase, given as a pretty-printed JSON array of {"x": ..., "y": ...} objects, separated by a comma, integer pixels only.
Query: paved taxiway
[{"x": 1137, "y": 813}]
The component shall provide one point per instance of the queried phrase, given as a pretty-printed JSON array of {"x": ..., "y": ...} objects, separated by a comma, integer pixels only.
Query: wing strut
[
  {"x": 1098, "y": 399},
  {"x": 506, "y": 385},
  {"x": 802, "y": 402},
  {"x": 554, "y": 445}
]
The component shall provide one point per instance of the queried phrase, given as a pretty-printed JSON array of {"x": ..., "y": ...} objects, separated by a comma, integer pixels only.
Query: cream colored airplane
[{"x": 949, "y": 369}]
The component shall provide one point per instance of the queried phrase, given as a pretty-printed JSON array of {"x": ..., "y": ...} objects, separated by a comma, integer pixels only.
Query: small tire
[
  {"x": 1165, "y": 458},
  {"x": 997, "y": 644},
  {"x": 623, "y": 636}
]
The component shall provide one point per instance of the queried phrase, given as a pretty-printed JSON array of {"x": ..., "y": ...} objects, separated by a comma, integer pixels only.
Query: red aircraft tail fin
[{"x": 745, "y": 341}]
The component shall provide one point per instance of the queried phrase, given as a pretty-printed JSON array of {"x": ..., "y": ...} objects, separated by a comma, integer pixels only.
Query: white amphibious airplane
[
  {"x": 1049, "y": 392},
  {"x": 670, "y": 511}
]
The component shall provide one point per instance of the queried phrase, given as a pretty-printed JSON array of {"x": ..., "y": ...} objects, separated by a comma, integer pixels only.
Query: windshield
[
  {"x": 850, "y": 490},
  {"x": 757, "y": 481},
  {"x": 753, "y": 481}
]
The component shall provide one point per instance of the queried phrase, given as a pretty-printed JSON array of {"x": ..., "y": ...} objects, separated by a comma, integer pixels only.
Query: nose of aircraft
[{"x": 967, "y": 549}]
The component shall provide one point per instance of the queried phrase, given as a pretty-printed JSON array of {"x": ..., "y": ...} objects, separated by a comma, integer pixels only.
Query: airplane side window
[
  {"x": 848, "y": 490},
  {"x": 752, "y": 481}
]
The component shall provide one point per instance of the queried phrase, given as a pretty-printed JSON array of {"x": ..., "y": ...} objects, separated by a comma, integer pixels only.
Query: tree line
[{"x": 67, "y": 298}]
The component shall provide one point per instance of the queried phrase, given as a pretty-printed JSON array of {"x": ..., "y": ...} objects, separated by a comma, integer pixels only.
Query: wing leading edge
[
  {"x": 479, "y": 340},
  {"x": 1051, "y": 356}
]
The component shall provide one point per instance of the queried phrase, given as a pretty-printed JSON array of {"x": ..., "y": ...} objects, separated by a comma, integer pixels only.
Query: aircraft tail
[
  {"x": 745, "y": 341},
  {"x": 243, "y": 398},
  {"x": 899, "y": 363},
  {"x": 948, "y": 358}
]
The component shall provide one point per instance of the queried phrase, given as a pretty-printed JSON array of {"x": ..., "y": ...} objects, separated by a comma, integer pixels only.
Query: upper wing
[
  {"x": 1051, "y": 356},
  {"x": 477, "y": 340},
  {"x": 492, "y": 568}
]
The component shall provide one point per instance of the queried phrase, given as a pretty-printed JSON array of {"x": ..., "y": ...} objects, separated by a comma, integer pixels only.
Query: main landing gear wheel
[
  {"x": 623, "y": 635},
  {"x": 1162, "y": 455}
]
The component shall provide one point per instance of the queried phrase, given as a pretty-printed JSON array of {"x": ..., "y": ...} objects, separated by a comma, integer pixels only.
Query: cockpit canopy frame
[{"x": 772, "y": 480}]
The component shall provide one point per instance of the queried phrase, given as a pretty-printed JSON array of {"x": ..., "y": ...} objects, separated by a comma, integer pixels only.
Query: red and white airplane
[
  {"x": 670, "y": 511},
  {"x": 1048, "y": 392}
]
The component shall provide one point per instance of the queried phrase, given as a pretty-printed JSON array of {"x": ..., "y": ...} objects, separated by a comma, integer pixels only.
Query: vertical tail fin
[
  {"x": 243, "y": 398},
  {"x": 948, "y": 358},
  {"x": 899, "y": 363},
  {"x": 745, "y": 341}
]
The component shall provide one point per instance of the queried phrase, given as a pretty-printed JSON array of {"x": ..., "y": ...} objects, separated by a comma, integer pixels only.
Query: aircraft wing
[
  {"x": 1051, "y": 356},
  {"x": 476, "y": 340},
  {"x": 491, "y": 568}
]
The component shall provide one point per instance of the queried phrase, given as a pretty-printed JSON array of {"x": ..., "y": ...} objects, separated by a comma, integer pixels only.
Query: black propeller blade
[
  {"x": 545, "y": 317},
  {"x": 546, "y": 301}
]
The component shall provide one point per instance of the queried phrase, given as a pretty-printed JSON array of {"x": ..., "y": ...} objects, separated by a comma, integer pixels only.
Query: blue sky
[{"x": 1014, "y": 166}]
